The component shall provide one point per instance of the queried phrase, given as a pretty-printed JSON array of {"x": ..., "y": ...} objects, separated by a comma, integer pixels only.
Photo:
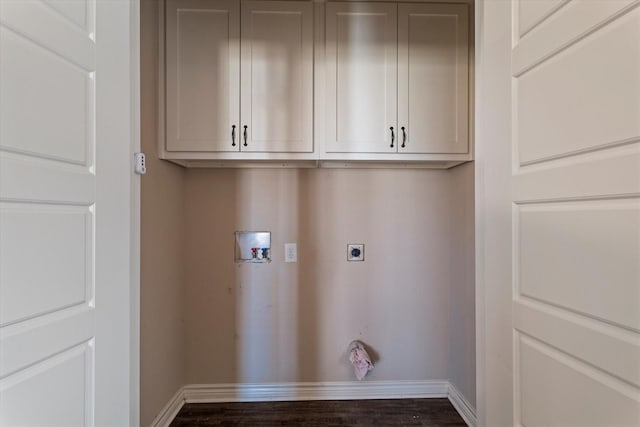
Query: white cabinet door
[
  {"x": 433, "y": 78},
  {"x": 361, "y": 62},
  {"x": 277, "y": 76},
  {"x": 202, "y": 75}
]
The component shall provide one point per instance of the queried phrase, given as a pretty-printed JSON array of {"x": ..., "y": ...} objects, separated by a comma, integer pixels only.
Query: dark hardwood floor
[{"x": 329, "y": 413}]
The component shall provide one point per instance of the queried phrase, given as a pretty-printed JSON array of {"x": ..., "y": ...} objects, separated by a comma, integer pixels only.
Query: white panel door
[
  {"x": 65, "y": 213},
  {"x": 277, "y": 76},
  {"x": 361, "y": 64},
  {"x": 433, "y": 78},
  {"x": 569, "y": 198},
  {"x": 202, "y": 75}
]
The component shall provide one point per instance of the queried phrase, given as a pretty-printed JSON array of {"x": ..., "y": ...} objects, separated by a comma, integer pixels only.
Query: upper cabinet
[
  {"x": 239, "y": 79},
  {"x": 397, "y": 79},
  {"x": 330, "y": 82}
]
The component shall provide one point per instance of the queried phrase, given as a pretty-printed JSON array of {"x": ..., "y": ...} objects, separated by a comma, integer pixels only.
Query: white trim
[
  {"x": 462, "y": 405},
  {"x": 480, "y": 214},
  {"x": 348, "y": 390},
  {"x": 170, "y": 410},
  {"x": 134, "y": 236}
]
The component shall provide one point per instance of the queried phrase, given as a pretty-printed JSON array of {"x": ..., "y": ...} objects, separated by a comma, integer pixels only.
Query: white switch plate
[
  {"x": 290, "y": 252},
  {"x": 355, "y": 252}
]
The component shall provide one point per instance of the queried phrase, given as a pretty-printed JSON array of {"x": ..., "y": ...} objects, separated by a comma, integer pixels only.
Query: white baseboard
[
  {"x": 462, "y": 405},
  {"x": 170, "y": 410},
  {"x": 348, "y": 390}
]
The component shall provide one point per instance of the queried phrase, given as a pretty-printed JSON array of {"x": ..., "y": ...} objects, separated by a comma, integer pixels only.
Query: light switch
[{"x": 290, "y": 252}]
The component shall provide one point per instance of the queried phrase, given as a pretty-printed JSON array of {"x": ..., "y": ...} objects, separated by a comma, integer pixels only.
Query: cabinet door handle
[
  {"x": 404, "y": 136},
  {"x": 393, "y": 136},
  {"x": 233, "y": 135},
  {"x": 245, "y": 135}
]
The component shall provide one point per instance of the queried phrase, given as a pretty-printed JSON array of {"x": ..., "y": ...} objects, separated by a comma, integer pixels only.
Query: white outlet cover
[
  {"x": 355, "y": 252},
  {"x": 290, "y": 252}
]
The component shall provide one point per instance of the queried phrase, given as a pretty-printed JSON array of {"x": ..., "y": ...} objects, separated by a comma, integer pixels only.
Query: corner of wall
[
  {"x": 462, "y": 369},
  {"x": 161, "y": 243}
]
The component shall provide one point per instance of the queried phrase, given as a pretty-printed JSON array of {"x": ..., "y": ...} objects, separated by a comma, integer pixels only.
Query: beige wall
[
  {"x": 205, "y": 319},
  {"x": 162, "y": 264},
  {"x": 462, "y": 353},
  {"x": 292, "y": 322}
]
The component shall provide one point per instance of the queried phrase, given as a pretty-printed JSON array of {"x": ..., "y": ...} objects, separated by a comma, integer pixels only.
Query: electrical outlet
[
  {"x": 355, "y": 252},
  {"x": 290, "y": 252}
]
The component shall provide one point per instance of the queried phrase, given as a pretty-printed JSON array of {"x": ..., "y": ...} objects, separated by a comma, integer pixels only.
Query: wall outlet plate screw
[{"x": 355, "y": 252}]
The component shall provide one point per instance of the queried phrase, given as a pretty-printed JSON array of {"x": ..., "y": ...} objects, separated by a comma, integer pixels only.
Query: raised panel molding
[
  {"x": 576, "y": 213},
  {"x": 28, "y": 269},
  {"x": 567, "y": 26},
  {"x": 605, "y": 173},
  {"x": 80, "y": 12},
  {"x": 530, "y": 13},
  {"x": 614, "y": 350},
  {"x": 26, "y": 343},
  {"x": 33, "y": 77},
  {"x": 565, "y": 118},
  {"x": 582, "y": 256},
  {"x": 61, "y": 37},
  {"x": 40, "y": 383},
  {"x": 570, "y": 392},
  {"x": 68, "y": 83},
  {"x": 45, "y": 180}
]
